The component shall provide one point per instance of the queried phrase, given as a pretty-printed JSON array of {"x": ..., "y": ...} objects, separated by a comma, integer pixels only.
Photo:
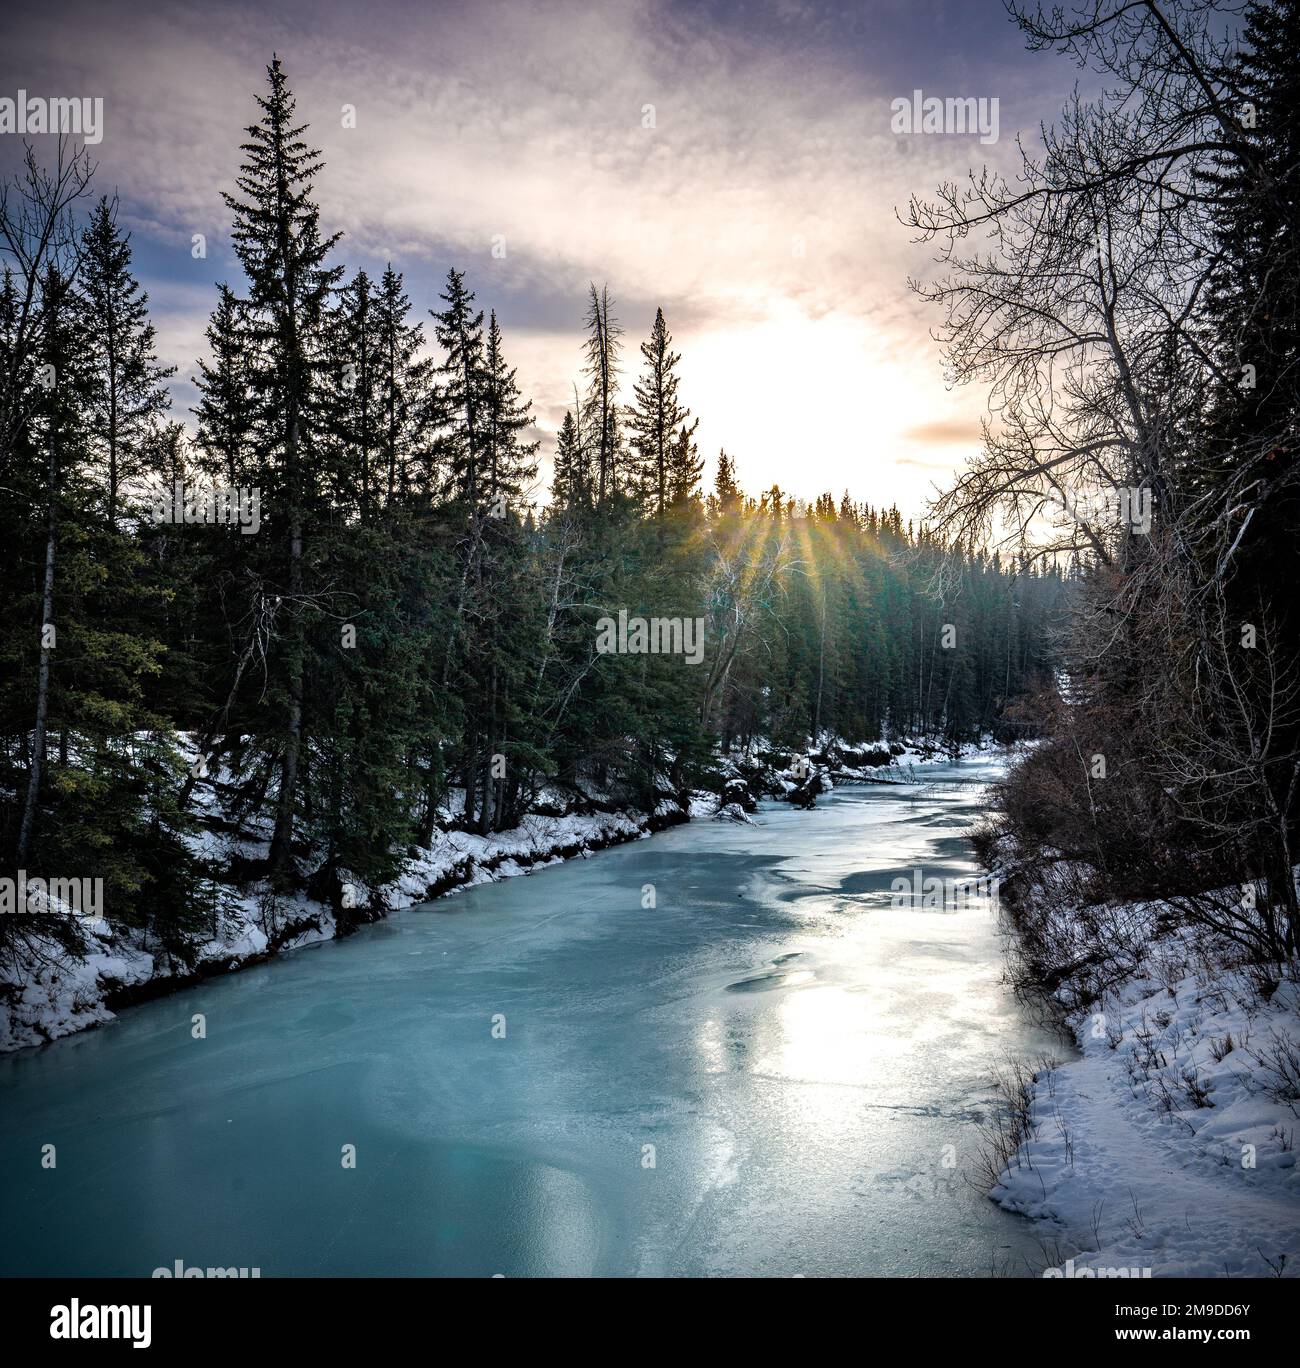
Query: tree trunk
[
  {"x": 43, "y": 672},
  {"x": 282, "y": 840}
]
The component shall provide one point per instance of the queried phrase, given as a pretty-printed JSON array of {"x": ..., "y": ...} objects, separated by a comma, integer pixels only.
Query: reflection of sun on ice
[
  {"x": 829, "y": 1034},
  {"x": 822, "y": 1033}
]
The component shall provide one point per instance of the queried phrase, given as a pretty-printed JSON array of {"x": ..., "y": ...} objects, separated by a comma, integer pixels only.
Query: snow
[{"x": 1165, "y": 1145}]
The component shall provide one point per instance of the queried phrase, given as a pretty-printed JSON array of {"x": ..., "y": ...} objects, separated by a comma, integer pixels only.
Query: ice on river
[{"x": 770, "y": 1070}]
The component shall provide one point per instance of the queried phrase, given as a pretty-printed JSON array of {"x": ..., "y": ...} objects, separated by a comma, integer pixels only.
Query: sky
[{"x": 733, "y": 163}]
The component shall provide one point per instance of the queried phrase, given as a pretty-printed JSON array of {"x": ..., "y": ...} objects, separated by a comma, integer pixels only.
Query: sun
[{"x": 817, "y": 403}]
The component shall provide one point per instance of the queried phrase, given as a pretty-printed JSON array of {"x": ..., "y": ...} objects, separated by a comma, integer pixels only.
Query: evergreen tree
[
  {"x": 412, "y": 408},
  {"x": 685, "y": 468},
  {"x": 355, "y": 407},
  {"x": 569, "y": 487},
  {"x": 129, "y": 385},
  {"x": 459, "y": 331},
  {"x": 604, "y": 439},
  {"x": 657, "y": 419},
  {"x": 57, "y": 448},
  {"x": 226, "y": 411},
  {"x": 509, "y": 464},
  {"x": 278, "y": 241},
  {"x": 725, "y": 485},
  {"x": 97, "y": 798},
  {"x": 1255, "y": 296}
]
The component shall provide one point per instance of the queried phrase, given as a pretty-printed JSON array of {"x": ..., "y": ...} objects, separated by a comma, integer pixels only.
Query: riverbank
[
  {"x": 1168, "y": 1147},
  {"x": 48, "y": 993}
]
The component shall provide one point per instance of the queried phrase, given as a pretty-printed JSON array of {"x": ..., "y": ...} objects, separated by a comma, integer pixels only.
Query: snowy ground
[{"x": 1168, "y": 1148}]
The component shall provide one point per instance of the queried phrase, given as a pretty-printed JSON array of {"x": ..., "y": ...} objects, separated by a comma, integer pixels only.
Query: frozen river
[{"x": 771, "y": 1071}]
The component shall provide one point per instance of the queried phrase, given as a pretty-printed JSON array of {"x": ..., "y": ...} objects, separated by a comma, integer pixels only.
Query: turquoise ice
[{"x": 769, "y": 1071}]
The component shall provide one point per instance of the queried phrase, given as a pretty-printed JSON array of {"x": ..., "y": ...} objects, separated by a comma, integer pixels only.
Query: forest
[{"x": 342, "y": 589}]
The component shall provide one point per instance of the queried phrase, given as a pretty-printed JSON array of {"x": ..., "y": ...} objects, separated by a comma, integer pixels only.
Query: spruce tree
[
  {"x": 1245, "y": 469},
  {"x": 726, "y": 486},
  {"x": 509, "y": 464},
  {"x": 1255, "y": 289},
  {"x": 685, "y": 467},
  {"x": 603, "y": 351},
  {"x": 412, "y": 408},
  {"x": 657, "y": 419},
  {"x": 226, "y": 411},
  {"x": 57, "y": 449},
  {"x": 569, "y": 482},
  {"x": 129, "y": 385},
  {"x": 278, "y": 240},
  {"x": 354, "y": 340},
  {"x": 459, "y": 331}
]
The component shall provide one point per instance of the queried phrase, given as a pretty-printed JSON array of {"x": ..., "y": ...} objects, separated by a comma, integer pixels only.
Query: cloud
[
  {"x": 740, "y": 174},
  {"x": 946, "y": 432}
]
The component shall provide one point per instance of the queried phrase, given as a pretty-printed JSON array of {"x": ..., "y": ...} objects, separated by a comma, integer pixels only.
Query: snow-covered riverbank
[
  {"x": 61, "y": 994},
  {"x": 1167, "y": 1149}
]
